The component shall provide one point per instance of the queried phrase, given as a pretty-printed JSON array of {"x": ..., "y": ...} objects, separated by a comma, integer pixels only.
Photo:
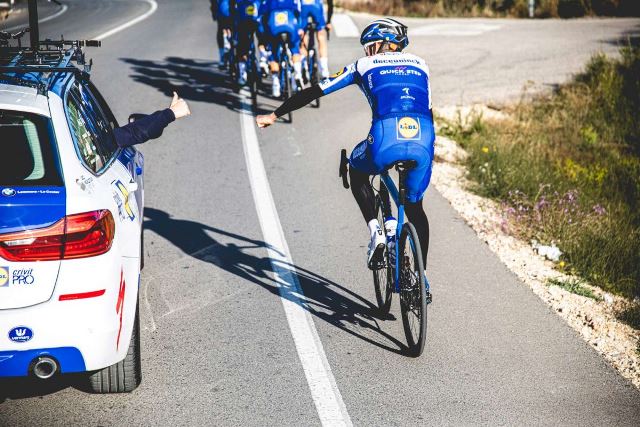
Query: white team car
[{"x": 71, "y": 204}]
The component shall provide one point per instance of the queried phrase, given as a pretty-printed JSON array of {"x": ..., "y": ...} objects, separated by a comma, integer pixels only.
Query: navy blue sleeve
[{"x": 144, "y": 129}]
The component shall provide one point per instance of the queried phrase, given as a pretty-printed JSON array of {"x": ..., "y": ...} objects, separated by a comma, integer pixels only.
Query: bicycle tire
[
  {"x": 288, "y": 92},
  {"x": 253, "y": 82},
  {"x": 413, "y": 295},
  {"x": 383, "y": 277},
  {"x": 315, "y": 80}
]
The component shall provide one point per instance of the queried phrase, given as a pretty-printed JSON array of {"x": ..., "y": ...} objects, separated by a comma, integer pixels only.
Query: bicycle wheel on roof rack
[{"x": 413, "y": 294}]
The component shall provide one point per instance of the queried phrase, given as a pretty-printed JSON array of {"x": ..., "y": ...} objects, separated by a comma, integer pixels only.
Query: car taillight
[{"x": 74, "y": 236}]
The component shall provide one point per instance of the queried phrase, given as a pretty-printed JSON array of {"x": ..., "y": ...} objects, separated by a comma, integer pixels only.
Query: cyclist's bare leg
[{"x": 323, "y": 50}]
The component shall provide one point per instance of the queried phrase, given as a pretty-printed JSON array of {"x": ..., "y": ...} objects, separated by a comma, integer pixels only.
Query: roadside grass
[
  {"x": 566, "y": 169},
  {"x": 575, "y": 286},
  {"x": 494, "y": 8}
]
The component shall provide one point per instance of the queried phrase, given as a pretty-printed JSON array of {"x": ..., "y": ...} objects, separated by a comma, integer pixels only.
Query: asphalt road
[{"x": 217, "y": 348}]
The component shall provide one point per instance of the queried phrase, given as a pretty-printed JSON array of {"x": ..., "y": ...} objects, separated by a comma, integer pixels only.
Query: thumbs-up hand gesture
[{"x": 179, "y": 107}]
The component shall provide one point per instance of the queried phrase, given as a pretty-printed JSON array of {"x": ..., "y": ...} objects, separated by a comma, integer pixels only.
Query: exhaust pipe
[{"x": 44, "y": 367}]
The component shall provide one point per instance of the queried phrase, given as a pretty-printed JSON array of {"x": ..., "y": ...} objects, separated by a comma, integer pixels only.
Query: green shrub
[{"x": 567, "y": 170}]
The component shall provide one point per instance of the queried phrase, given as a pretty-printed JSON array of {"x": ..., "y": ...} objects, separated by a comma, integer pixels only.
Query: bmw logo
[{"x": 8, "y": 192}]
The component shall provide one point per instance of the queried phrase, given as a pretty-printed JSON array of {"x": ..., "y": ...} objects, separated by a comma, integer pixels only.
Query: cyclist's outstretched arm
[
  {"x": 329, "y": 11},
  {"x": 340, "y": 80}
]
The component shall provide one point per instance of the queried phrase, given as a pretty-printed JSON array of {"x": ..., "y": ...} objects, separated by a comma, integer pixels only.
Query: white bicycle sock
[
  {"x": 324, "y": 67},
  {"x": 297, "y": 70}
]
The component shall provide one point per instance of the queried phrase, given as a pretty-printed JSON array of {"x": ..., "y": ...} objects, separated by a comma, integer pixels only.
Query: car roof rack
[{"x": 38, "y": 65}]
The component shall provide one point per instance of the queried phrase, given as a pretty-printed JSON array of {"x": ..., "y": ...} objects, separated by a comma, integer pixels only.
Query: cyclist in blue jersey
[
  {"x": 314, "y": 9},
  {"x": 283, "y": 16},
  {"x": 397, "y": 86},
  {"x": 245, "y": 24},
  {"x": 221, "y": 12}
]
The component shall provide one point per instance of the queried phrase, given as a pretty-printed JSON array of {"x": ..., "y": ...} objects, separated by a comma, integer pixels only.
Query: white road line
[
  {"x": 153, "y": 7},
  {"x": 40, "y": 21},
  {"x": 324, "y": 391},
  {"x": 343, "y": 25}
]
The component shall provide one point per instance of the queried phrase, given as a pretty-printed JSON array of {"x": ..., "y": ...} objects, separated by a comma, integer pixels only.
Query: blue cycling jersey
[
  {"x": 246, "y": 10},
  {"x": 395, "y": 84},
  {"x": 224, "y": 8},
  {"x": 268, "y": 6}
]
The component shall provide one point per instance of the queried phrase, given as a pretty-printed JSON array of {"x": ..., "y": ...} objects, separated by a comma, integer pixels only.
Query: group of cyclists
[
  {"x": 240, "y": 20},
  {"x": 396, "y": 84}
]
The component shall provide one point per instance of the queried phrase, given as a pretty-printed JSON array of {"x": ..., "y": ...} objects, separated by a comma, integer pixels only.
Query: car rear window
[{"x": 26, "y": 146}]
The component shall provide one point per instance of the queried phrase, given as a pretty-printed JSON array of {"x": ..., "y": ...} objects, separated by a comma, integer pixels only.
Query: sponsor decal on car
[
  {"x": 85, "y": 184},
  {"x": 22, "y": 276},
  {"x": 408, "y": 128},
  {"x": 8, "y": 192},
  {"x": 4, "y": 277},
  {"x": 121, "y": 197},
  {"x": 120, "y": 305},
  {"x": 20, "y": 334}
]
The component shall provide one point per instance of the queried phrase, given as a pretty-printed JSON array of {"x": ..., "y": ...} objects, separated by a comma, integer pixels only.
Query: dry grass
[{"x": 566, "y": 169}]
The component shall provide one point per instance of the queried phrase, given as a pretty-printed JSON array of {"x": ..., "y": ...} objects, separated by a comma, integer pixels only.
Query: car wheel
[{"x": 124, "y": 376}]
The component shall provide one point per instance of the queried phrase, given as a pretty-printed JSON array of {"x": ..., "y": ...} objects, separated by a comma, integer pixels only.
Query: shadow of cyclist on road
[
  {"x": 323, "y": 298},
  {"x": 193, "y": 79}
]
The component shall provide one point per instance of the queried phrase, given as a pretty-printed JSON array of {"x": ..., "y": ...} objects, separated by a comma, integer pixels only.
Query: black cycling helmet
[{"x": 385, "y": 30}]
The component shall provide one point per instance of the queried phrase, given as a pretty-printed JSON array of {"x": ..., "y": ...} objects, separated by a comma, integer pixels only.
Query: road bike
[
  {"x": 282, "y": 54},
  {"x": 310, "y": 71},
  {"x": 401, "y": 270},
  {"x": 253, "y": 77}
]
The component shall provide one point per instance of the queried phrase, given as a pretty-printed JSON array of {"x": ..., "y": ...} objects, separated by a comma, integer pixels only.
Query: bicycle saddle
[{"x": 404, "y": 165}]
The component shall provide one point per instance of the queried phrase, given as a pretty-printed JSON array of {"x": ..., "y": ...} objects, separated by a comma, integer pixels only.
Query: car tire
[{"x": 124, "y": 376}]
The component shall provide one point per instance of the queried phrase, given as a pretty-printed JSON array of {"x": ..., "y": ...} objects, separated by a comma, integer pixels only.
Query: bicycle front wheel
[{"x": 413, "y": 295}]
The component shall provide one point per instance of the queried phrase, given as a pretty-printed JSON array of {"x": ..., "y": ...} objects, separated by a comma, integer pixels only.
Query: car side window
[
  {"x": 85, "y": 138},
  {"x": 103, "y": 105},
  {"x": 106, "y": 141},
  {"x": 92, "y": 131}
]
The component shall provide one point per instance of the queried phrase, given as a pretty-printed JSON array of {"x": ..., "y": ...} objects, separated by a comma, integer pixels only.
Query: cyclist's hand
[
  {"x": 266, "y": 120},
  {"x": 179, "y": 107},
  {"x": 329, "y": 27}
]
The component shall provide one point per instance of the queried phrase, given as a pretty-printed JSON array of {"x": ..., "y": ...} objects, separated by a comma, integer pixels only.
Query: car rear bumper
[{"x": 19, "y": 363}]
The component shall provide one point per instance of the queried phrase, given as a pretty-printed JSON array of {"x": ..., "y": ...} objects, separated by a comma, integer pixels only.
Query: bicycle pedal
[{"x": 379, "y": 265}]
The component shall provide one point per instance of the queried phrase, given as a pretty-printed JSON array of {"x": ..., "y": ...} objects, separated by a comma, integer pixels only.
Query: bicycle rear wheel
[
  {"x": 288, "y": 89},
  {"x": 413, "y": 295},
  {"x": 253, "y": 78},
  {"x": 315, "y": 80},
  {"x": 383, "y": 277}
]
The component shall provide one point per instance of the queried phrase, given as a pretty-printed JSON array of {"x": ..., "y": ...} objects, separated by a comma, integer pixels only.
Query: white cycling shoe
[
  {"x": 375, "y": 254},
  {"x": 275, "y": 90}
]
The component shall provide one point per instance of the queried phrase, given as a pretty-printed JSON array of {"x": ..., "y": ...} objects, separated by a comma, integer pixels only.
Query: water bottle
[{"x": 390, "y": 227}]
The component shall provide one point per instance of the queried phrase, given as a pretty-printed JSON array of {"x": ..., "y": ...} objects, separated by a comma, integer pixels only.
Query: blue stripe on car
[
  {"x": 31, "y": 207},
  {"x": 17, "y": 363}
]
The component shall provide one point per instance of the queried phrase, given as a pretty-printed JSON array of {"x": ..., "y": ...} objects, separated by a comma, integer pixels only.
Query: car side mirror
[{"x": 135, "y": 116}]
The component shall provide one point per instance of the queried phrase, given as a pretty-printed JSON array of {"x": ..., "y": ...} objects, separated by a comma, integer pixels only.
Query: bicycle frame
[{"x": 285, "y": 58}]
